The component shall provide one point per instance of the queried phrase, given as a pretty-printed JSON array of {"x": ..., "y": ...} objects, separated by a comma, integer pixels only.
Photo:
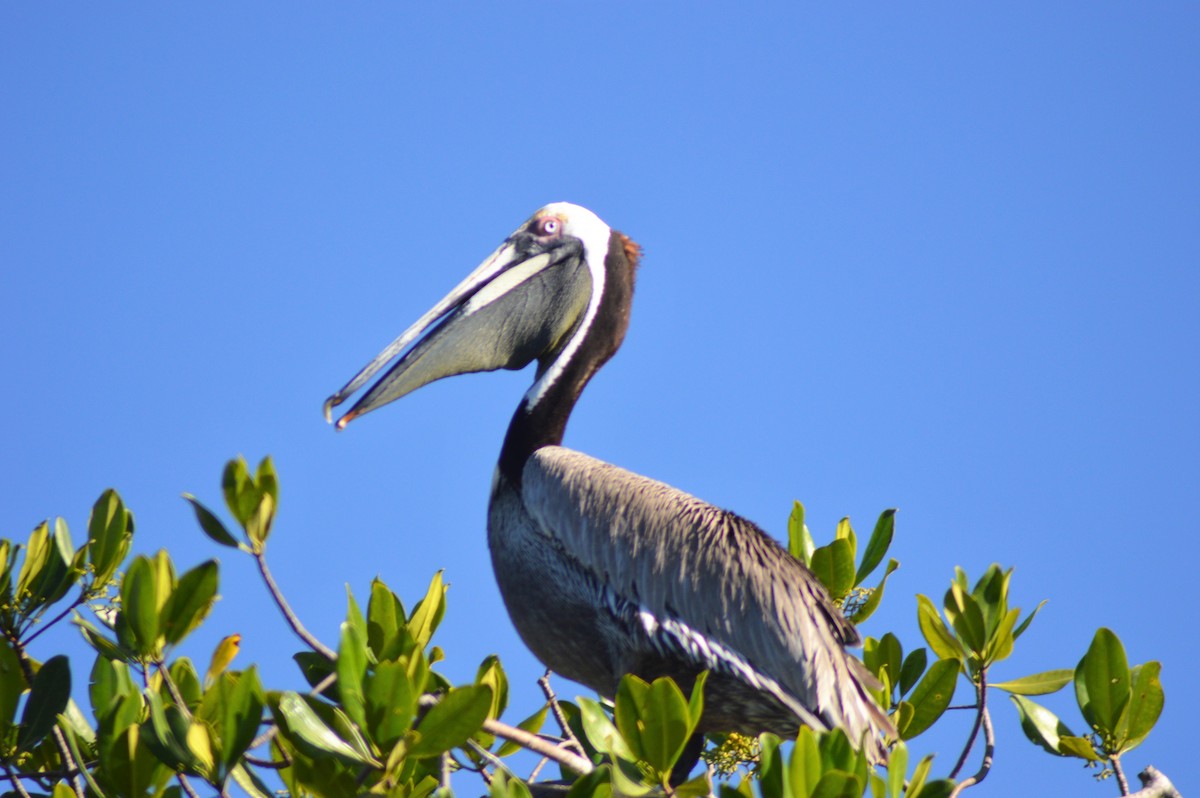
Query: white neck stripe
[{"x": 595, "y": 235}]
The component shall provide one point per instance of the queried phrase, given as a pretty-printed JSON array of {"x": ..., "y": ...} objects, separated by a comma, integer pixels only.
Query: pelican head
[{"x": 532, "y": 299}]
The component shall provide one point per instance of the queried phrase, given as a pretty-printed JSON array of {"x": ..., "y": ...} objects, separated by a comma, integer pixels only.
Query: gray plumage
[{"x": 667, "y": 584}]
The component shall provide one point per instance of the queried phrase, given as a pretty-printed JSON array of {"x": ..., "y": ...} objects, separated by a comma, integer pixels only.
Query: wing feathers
[{"x": 713, "y": 574}]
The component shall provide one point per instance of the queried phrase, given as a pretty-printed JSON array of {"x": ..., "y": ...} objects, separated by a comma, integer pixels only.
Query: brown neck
[{"x": 545, "y": 422}]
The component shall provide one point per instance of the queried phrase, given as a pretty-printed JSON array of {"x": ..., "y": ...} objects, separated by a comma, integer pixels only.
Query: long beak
[
  {"x": 503, "y": 315},
  {"x": 496, "y": 263}
]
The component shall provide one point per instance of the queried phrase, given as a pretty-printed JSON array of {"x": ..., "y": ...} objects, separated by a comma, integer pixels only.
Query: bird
[
  {"x": 222, "y": 656},
  {"x": 605, "y": 572}
]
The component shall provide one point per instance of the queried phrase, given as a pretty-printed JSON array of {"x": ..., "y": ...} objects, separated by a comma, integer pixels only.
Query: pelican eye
[{"x": 548, "y": 226}]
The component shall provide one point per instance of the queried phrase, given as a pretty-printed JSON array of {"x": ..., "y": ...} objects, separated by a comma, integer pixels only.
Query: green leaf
[
  {"x": 190, "y": 602},
  {"x": 991, "y": 594},
  {"x": 696, "y": 702},
  {"x": 139, "y": 606},
  {"x": 315, "y": 668},
  {"x": 931, "y": 697},
  {"x": 772, "y": 782},
  {"x": 938, "y": 788},
  {"x": 935, "y": 632},
  {"x": 304, "y": 728},
  {"x": 897, "y": 767},
  {"x": 491, "y": 673},
  {"x": 1000, "y": 644},
  {"x": 628, "y": 710},
  {"x": 183, "y": 674},
  {"x": 920, "y": 774},
  {"x": 385, "y": 623},
  {"x": 845, "y": 532},
  {"x": 210, "y": 524},
  {"x": 666, "y": 722},
  {"x": 240, "y": 494},
  {"x": 600, "y": 731},
  {"x": 1145, "y": 705},
  {"x": 351, "y": 668},
  {"x": 428, "y": 613},
  {"x": 48, "y": 697},
  {"x": 1041, "y": 726},
  {"x": 911, "y": 670},
  {"x": 1102, "y": 682},
  {"x": 241, "y": 713},
  {"x": 804, "y": 766},
  {"x": 1025, "y": 623},
  {"x": 1079, "y": 747},
  {"x": 1038, "y": 683},
  {"x": 159, "y": 733},
  {"x": 883, "y": 656},
  {"x": 12, "y": 684},
  {"x": 833, "y": 564},
  {"x": 872, "y": 603},
  {"x": 110, "y": 533},
  {"x": 391, "y": 703},
  {"x": 800, "y": 542},
  {"x": 451, "y": 721},
  {"x": 877, "y": 546},
  {"x": 838, "y": 784},
  {"x": 967, "y": 619}
]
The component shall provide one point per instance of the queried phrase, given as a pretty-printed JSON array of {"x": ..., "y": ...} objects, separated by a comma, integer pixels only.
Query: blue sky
[{"x": 934, "y": 257}]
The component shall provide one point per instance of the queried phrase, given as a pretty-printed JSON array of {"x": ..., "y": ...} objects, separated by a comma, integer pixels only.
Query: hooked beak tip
[
  {"x": 328, "y": 409},
  {"x": 344, "y": 420}
]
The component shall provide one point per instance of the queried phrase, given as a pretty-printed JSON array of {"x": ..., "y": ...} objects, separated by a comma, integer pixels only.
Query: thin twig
[
  {"x": 568, "y": 735},
  {"x": 985, "y": 767},
  {"x": 981, "y": 695},
  {"x": 534, "y": 774},
  {"x": 77, "y": 603},
  {"x": 186, "y": 784},
  {"x": 265, "y": 763},
  {"x": 1115, "y": 761},
  {"x": 16, "y": 782},
  {"x": 446, "y": 770},
  {"x": 173, "y": 689},
  {"x": 293, "y": 621}
]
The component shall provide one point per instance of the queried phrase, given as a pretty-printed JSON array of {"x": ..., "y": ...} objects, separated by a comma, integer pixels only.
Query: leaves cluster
[{"x": 380, "y": 719}]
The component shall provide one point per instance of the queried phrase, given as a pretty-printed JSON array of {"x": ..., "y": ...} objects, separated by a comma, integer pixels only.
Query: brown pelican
[{"x": 605, "y": 572}]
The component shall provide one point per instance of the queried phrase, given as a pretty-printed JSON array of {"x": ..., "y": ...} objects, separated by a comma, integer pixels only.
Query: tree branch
[
  {"x": 539, "y": 745},
  {"x": 981, "y": 696},
  {"x": 989, "y": 750}
]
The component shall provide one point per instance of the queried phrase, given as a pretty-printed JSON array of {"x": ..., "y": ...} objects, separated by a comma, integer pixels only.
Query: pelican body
[{"x": 605, "y": 572}]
